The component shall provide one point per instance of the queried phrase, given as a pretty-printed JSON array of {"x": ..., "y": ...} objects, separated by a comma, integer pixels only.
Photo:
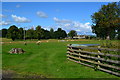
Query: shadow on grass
[{"x": 13, "y": 74}]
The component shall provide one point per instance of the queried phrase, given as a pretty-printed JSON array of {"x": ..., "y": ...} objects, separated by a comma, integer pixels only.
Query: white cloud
[
  {"x": 55, "y": 19},
  {"x": 81, "y": 28},
  {"x": 62, "y": 20},
  {"x": 78, "y": 24},
  {"x": 5, "y": 22},
  {"x": 2, "y": 16},
  {"x": 57, "y": 10},
  {"x": 7, "y": 10},
  {"x": 42, "y": 14},
  {"x": 17, "y": 6},
  {"x": 87, "y": 25},
  {"x": 78, "y": 30},
  {"x": 20, "y": 19},
  {"x": 46, "y": 28},
  {"x": 68, "y": 24}
]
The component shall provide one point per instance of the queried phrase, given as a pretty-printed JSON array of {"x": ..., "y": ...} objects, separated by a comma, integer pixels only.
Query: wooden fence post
[
  {"x": 99, "y": 51},
  {"x": 80, "y": 53},
  {"x": 69, "y": 48}
]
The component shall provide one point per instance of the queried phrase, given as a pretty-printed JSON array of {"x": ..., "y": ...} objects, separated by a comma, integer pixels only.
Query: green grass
[{"x": 48, "y": 59}]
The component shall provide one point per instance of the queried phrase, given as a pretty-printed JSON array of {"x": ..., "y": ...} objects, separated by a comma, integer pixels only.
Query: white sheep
[
  {"x": 38, "y": 42},
  {"x": 25, "y": 43},
  {"x": 2, "y": 42}
]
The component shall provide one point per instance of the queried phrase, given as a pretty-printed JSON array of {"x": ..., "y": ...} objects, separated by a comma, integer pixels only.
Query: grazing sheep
[
  {"x": 38, "y": 42},
  {"x": 25, "y": 43},
  {"x": 62, "y": 40},
  {"x": 2, "y": 42}
]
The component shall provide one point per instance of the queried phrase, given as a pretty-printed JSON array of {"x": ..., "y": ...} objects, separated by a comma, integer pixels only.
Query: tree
[
  {"x": 118, "y": 33},
  {"x": 72, "y": 33},
  {"x": 46, "y": 34},
  {"x": 21, "y": 33},
  {"x": 30, "y": 34},
  {"x": 0, "y": 33},
  {"x": 99, "y": 31},
  {"x": 13, "y": 32},
  {"x": 63, "y": 33},
  {"x": 4, "y": 33},
  {"x": 39, "y": 32},
  {"x": 52, "y": 35},
  {"x": 107, "y": 18},
  {"x": 59, "y": 34}
]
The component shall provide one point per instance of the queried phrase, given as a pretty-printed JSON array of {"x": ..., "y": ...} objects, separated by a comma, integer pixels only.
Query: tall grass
[{"x": 110, "y": 44}]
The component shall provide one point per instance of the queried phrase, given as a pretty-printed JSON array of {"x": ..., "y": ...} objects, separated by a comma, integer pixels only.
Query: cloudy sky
[{"x": 66, "y": 15}]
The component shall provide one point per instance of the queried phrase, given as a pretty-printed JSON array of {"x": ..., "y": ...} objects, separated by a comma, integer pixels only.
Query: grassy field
[{"x": 48, "y": 59}]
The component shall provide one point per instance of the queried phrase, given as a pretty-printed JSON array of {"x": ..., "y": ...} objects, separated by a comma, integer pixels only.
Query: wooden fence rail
[
  {"x": 98, "y": 60},
  {"x": 117, "y": 50}
]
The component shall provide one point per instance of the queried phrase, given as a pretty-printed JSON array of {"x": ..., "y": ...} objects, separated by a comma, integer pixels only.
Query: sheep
[
  {"x": 2, "y": 42},
  {"x": 38, "y": 42},
  {"x": 25, "y": 43}
]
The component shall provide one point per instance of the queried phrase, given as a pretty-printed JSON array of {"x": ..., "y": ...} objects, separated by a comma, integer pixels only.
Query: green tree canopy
[
  {"x": 72, "y": 33},
  {"x": 107, "y": 18},
  {"x": 39, "y": 32},
  {"x": 59, "y": 34},
  {"x": 21, "y": 33},
  {"x": 4, "y": 33},
  {"x": 30, "y": 34},
  {"x": 13, "y": 32},
  {"x": 52, "y": 35}
]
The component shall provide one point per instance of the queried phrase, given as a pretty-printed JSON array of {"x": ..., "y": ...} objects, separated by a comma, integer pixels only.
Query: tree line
[
  {"x": 107, "y": 21},
  {"x": 14, "y": 33}
]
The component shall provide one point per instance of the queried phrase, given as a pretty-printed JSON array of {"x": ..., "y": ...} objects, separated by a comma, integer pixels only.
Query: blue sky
[{"x": 66, "y": 15}]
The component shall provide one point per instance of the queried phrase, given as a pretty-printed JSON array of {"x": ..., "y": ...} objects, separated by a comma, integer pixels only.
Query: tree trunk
[{"x": 108, "y": 34}]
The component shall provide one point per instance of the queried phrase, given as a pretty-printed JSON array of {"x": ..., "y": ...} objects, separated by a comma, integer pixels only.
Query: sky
[{"x": 65, "y": 15}]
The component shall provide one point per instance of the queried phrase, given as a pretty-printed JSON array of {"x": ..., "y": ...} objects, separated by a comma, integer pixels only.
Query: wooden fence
[{"x": 97, "y": 58}]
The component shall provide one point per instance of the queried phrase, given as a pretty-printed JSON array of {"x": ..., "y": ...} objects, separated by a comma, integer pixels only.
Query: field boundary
[{"x": 97, "y": 58}]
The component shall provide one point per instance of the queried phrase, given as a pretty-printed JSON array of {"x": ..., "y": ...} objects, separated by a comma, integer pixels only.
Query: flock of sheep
[{"x": 38, "y": 42}]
